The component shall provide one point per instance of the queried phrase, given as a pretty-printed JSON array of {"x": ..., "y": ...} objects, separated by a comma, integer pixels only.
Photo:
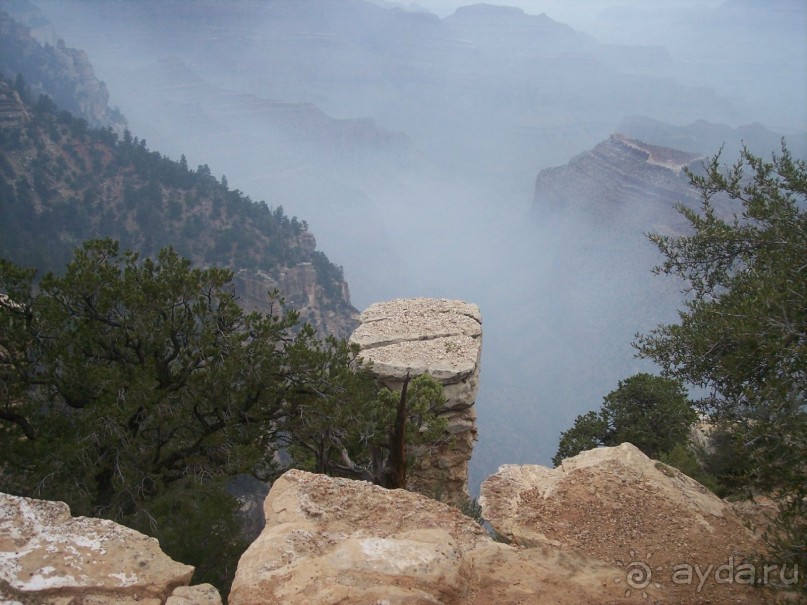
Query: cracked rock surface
[
  {"x": 49, "y": 557},
  {"x": 443, "y": 338},
  {"x": 617, "y": 505},
  {"x": 330, "y": 540}
]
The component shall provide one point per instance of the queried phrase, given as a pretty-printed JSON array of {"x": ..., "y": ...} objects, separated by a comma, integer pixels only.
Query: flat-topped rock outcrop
[{"x": 442, "y": 338}]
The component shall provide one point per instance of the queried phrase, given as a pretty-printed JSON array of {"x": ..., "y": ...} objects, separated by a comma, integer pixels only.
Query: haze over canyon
[{"x": 511, "y": 157}]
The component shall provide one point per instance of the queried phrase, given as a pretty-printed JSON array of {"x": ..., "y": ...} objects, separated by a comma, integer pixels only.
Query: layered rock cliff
[
  {"x": 621, "y": 183},
  {"x": 444, "y": 339},
  {"x": 65, "y": 74},
  {"x": 324, "y": 303}
]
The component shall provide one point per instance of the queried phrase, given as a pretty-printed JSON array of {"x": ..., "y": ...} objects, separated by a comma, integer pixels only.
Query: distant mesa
[
  {"x": 622, "y": 183},
  {"x": 661, "y": 156},
  {"x": 704, "y": 137}
]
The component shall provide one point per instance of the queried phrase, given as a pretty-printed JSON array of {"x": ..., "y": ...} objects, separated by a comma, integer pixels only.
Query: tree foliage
[
  {"x": 132, "y": 388},
  {"x": 133, "y": 376},
  {"x": 588, "y": 432},
  {"x": 689, "y": 461},
  {"x": 355, "y": 436},
  {"x": 742, "y": 334},
  {"x": 651, "y": 412}
]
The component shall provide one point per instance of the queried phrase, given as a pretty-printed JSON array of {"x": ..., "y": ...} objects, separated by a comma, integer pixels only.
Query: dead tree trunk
[{"x": 397, "y": 472}]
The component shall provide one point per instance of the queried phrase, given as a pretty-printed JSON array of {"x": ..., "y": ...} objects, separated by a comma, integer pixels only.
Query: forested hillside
[{"x": 62, "y": 182}]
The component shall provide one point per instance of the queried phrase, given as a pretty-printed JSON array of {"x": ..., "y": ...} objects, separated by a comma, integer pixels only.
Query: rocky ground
[
  {"x": 656, "y": 526},
  {"x": 608, "y": 526},
  {"x": 340, "y": 541}
]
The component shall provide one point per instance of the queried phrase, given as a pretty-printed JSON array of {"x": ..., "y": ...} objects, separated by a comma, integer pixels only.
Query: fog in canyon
[{"x": 410, "y": 135}]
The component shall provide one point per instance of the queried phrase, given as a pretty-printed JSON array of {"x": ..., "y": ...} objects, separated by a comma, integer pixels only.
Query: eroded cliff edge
[{"x": 608, "y": 526}]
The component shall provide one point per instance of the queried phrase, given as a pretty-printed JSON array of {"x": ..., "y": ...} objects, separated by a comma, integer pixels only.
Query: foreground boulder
[
  {"x": 49, "y": 557},
  {"x": 331, "y": 540},
  {"x": 442, "y": 338},
  {"x": 617, "y": 505}
]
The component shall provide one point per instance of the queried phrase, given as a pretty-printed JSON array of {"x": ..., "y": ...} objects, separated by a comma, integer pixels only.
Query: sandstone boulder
[
  {"x": 49, "y": 557},
  {"x": 617, "y": 505},
  {"x": 444, "y": 339},
  {"x": 331, "y": 540},
  {"x": 201, "y": 594}
]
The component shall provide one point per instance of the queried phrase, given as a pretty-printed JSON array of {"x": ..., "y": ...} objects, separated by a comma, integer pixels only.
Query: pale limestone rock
[
  {"x": 201, "y": 594},
  {"x": 49, "y": 557},
  {"x": 619, "y": 506},
  {"x": 444, "y": 339},
  {"x": 330, "y": 540},
  {"x": 701, "y": 436}
]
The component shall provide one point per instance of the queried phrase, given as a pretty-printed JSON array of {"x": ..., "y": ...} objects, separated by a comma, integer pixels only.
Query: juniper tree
[
  {"x": 742, "y": 334},
  {"x": 134, "y": 388}
]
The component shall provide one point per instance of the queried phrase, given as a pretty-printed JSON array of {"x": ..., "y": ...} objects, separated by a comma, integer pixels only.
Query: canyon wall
[
  {"x": 65, "y": 74},
  {"x": 622, "y": 183},
  {"x": 323, "y": 303}
]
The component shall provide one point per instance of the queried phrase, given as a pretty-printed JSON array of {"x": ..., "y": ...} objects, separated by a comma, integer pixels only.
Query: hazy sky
[{"x": 572, "y": 12}]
